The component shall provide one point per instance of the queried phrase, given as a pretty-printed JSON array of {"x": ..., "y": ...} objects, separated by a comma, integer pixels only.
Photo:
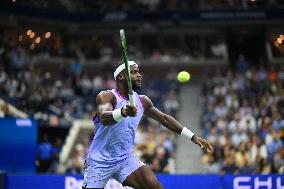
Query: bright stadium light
[
  {"x": 279, "y": 40},
  {"x": 276, "y": 44},
  {"x": 47, "y": 35},
  {"x": 37, "y": 40},
  {"x": 32, "y": 35},
  {"x": 29, "y": 32}
]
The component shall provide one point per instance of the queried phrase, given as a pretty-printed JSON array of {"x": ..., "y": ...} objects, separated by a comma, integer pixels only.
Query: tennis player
[{"x": 111, "y": 151}]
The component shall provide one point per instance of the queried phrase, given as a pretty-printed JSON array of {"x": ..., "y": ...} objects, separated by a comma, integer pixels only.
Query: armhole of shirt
[{"x": 141, "y": 102}]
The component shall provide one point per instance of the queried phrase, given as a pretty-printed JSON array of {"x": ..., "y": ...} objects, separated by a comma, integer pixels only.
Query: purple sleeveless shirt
[{"x": 111, "y": 144}]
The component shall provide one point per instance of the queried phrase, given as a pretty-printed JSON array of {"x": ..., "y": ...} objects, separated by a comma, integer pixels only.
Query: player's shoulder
[
  {"x": 105, "y": 96},
  {"x": 105, "y": 93},
  {"x": 142, "y": 96},
  {"x": 145, "y": 100}
]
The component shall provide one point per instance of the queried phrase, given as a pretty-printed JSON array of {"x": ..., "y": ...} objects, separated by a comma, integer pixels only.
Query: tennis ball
[{"x": 183, "y": 76}]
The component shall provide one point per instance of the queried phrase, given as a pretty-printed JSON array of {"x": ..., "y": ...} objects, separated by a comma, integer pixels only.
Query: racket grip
[{"x": 131, "y": 99}]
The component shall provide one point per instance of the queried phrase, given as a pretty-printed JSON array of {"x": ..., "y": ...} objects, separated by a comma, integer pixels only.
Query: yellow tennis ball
[{"x": 183, "y": 76}]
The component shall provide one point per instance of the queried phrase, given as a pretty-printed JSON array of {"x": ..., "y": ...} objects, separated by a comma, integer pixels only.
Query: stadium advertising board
[
  {"x": 169, "y": 182},
  {"x": 18, "y": 140},
  {"x": 254, "y": 182}
]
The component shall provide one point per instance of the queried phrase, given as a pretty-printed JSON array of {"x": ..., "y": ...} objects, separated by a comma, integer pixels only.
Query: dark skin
[{"x": 142, "y": 177}]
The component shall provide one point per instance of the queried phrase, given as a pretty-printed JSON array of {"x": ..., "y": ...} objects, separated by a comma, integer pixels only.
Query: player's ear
[{"x": 120, "y": 77}]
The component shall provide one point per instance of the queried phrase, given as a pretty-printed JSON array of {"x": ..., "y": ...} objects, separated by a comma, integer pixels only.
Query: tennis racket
[{"x": 127, "y": 67}]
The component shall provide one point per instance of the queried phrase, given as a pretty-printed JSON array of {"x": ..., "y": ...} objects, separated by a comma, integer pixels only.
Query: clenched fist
[{"x": 129, "y": 110}]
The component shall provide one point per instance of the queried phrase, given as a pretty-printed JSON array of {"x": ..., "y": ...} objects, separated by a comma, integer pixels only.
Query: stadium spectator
[
  {"x": 160, "y": 161},
  {"x": 241, "y": 63},
  {"x": 229, "y": 165},
  {"x": 74, "y": 164},
  {"x": 213, "y": 166},
  {"x": 274, "y": 145},
  {"x": 44, "y": 154},
  {"x": 4, "y": 110}
]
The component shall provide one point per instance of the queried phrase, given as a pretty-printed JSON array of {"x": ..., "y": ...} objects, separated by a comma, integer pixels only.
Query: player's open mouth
[{"x": 139, "y": 81}]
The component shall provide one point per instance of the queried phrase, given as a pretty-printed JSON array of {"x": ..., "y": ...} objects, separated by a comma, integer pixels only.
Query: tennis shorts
[{"x": 97, "y": 174}]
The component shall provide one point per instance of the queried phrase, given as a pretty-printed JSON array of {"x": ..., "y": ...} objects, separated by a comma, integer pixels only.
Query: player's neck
[{"x": 123, "y": 92}]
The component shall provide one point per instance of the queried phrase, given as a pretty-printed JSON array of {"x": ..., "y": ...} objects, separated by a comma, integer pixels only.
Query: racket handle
[{"x": 131, "y": 99}]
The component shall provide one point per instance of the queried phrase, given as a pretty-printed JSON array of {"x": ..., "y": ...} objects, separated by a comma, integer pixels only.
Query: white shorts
[{"x": 97, "y": 175}]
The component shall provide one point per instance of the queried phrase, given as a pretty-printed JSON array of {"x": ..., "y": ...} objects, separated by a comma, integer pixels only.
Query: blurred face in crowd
[
  {"x": 276, "y": 136},
  {"x": 239, "y": 131},
  {"x": 229, "y": 160},
  {"x": 161, "y": 153},
  {"x": 242, "y": 147}
]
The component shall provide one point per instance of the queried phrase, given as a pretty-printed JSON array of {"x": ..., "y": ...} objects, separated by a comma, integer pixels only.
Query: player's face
[{"x": 136, "y": 77}]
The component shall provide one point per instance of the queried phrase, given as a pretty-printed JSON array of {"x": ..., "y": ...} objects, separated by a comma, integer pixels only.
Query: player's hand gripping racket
[{"x": 127, "y": 67}]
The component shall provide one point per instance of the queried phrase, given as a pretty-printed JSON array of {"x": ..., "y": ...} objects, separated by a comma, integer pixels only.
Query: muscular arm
[
  {"x": 105, "y": 104},
  {"x": 168, "y": 121}
]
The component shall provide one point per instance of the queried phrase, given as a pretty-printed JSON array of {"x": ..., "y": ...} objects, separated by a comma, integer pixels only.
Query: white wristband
[
  {"x": 116, "y": 114},
  {"x": 187, "y": 133}
]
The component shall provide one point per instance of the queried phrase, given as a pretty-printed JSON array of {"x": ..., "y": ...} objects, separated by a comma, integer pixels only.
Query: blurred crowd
[
  {"x": 148, "y": 5},
  {"x": 244, "y": 119},
  {"x": 54, "y": 100},
  {"x": 155, "y": 147},
  {"x": 155, "y": 47},
  {"x": 103, "y": 48},
  {"x": 76, "y": 161},
  {"x": 58, "y": 99},
  {"x": 56, "y": 94}
]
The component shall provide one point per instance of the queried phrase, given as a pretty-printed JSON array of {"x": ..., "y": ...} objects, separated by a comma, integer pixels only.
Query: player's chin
[{"x": 137, "y": 86}]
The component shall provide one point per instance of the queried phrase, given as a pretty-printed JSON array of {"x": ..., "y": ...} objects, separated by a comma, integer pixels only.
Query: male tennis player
[{"x": 111, "y": 151}]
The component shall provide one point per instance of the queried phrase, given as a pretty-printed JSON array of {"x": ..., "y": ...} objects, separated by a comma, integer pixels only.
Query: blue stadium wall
[
  {"x": 169, "y": 182},
  {"x": 18, "y": 140}
]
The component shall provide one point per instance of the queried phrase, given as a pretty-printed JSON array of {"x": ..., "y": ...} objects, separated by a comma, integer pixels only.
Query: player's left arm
[{"x": 172, "y": 124}]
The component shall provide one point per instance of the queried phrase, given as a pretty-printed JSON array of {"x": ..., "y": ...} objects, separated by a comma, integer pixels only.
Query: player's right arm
[{"x": 105, "y": 109}]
